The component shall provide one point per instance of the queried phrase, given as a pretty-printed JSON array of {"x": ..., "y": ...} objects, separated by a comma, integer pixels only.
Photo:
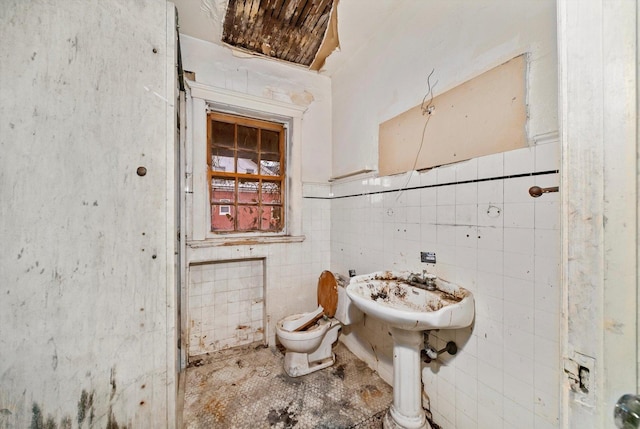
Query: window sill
[{"x": 244, "y": 241}]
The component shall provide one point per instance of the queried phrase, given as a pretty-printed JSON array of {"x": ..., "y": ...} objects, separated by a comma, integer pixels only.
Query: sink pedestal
[{"x": 406, "y": 411}]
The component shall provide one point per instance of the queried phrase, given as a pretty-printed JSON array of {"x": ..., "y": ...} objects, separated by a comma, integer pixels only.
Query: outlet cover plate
[{"x": 428, "y": 257}]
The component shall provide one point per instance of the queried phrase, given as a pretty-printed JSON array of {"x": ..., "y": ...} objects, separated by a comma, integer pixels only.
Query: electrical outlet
[{"x": 428, "y": 257}]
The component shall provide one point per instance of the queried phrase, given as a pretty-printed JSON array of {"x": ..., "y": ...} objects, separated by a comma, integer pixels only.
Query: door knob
[{"x": 626, "y": 413}]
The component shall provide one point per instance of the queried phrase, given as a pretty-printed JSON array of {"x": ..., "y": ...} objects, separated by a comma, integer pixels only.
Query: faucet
[{"x": 427, "y": 281}]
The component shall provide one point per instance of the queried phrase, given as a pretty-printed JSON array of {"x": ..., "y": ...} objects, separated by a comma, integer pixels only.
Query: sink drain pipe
[{"x": 429, "y": 353}]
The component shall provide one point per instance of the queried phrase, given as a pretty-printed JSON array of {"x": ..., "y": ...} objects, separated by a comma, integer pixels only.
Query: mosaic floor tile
[{"x": 247, "y": 387}]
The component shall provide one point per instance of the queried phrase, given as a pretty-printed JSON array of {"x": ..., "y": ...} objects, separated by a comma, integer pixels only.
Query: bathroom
[
  {"x": 507, "y": 371},
  {"x": 513, "y": 367}
]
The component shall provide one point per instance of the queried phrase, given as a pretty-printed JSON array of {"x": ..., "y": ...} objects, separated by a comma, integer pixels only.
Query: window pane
[
  {"x": 248, "y": 218},
  {"x": 271, "y": 192},
  {"x": 269, "y": 168},
  {"x": 223, "y": 134},
  {"x": 248, "y": 191},
  {"x": 222, "y": 146},
  {"x": 222, "y": 217},
  {"x": 247, "y": 162},
  {"x": 270, "y": 153},
  {"x": 270, "y": 143},
  {"x": 222, "y": 159},
  {"x": 222, "y": 190},
  {"x": 271, "y": 218},
  {"x": 247, "y": 138}
]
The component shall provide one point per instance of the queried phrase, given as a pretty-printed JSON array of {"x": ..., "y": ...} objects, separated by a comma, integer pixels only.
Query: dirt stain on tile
[
  {"x": 217, "y": 409},
  {"x": 369, "y": 393},
  {"x": 282, "y": 415},
  {"x": 338, "y": 371}
]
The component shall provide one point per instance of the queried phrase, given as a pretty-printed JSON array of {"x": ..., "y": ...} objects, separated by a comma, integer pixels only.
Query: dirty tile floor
[{"x": 247, "y": 387}]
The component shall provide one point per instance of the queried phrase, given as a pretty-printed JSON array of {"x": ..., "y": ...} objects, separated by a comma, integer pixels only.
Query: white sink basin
[{"x": 390, "y": 297}]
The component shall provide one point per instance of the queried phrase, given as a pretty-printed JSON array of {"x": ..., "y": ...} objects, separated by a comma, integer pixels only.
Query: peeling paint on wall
[
  {"x": 298, "y": 97},
  {"x": 301, "y": 98}
]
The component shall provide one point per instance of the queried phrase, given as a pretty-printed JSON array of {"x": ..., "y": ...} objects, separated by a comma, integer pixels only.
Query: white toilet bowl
[
  {"x": 311, "y": 349},
  {"x": 302, "y": 341}
]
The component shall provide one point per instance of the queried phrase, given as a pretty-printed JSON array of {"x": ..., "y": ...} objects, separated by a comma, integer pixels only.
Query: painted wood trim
[
  {"x": 598, "y": 90},
  {"x": 233, "y": 98},
  {"x": 172, "y": 216}
]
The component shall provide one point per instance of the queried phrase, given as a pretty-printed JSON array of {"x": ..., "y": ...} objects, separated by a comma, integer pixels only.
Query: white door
[{"x": 598, "y": 118}]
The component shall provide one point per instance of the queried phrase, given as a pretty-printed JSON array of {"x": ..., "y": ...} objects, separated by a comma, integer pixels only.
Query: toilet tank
[{"x": 346, "y": 312}]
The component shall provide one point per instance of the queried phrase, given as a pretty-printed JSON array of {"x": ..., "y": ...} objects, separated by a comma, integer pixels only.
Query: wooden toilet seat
[{"x": 328, "y": 293}]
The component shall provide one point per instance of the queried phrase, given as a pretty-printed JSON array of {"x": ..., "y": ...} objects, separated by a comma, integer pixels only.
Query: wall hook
[{"x": 536, "y": 191}]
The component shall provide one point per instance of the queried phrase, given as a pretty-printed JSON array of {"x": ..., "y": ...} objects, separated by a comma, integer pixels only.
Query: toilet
[{"x": 308, "y": 337}]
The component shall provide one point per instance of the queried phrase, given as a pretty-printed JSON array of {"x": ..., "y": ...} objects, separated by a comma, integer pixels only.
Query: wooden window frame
[{"x": 237, "y": 176}]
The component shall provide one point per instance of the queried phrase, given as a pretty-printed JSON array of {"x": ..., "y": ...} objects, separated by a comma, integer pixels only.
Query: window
[
  {"x": 232, "y": 109},
  {"x": 246, "y": 174}
]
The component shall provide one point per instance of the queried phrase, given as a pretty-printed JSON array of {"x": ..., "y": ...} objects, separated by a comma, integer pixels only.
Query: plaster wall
[
  {"x": 458, "y": 41},
  {"x": 291, "y": 265},
  {"x": 87, "y": 269}
]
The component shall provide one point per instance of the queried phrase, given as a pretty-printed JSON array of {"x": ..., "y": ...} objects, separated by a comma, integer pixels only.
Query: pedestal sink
[{"x": 400, "y": 300}]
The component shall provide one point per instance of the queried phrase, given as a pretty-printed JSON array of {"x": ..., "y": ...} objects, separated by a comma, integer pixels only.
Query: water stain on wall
[
  {"x": 38, "y": 421},
  {"x": 112, "y": 423},
  {"x": 54, "y": 357},
  {"x": 85, "y": 408},
  {"x": 85, "y": 416},
  {"x": 66, "y": 423},
  {"x": 112, "y": 382}
]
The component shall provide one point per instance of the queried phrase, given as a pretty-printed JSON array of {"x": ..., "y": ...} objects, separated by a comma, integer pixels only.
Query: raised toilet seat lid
[{"x": 328, "y": 293}]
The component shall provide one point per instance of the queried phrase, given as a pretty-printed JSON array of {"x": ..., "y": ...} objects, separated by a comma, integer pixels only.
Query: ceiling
[{"x": 287, "y": 30}]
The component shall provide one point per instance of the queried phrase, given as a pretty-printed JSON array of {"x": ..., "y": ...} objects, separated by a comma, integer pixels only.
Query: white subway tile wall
[
  {"x": 491, "y": 237},
  {"x": 226, "y": 305}
]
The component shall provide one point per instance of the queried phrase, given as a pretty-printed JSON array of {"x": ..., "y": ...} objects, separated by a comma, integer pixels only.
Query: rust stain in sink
[{"x": 393, "y": 289}]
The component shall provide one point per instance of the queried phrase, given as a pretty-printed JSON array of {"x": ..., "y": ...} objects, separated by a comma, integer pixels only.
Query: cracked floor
[{"x": 247, "y": 387}]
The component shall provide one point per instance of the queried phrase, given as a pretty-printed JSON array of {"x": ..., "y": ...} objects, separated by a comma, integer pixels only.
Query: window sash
[{"x": 263, "y": 211}]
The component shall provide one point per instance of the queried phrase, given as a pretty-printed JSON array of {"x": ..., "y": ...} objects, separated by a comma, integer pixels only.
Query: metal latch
[{"x": 579, "y": 369}]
